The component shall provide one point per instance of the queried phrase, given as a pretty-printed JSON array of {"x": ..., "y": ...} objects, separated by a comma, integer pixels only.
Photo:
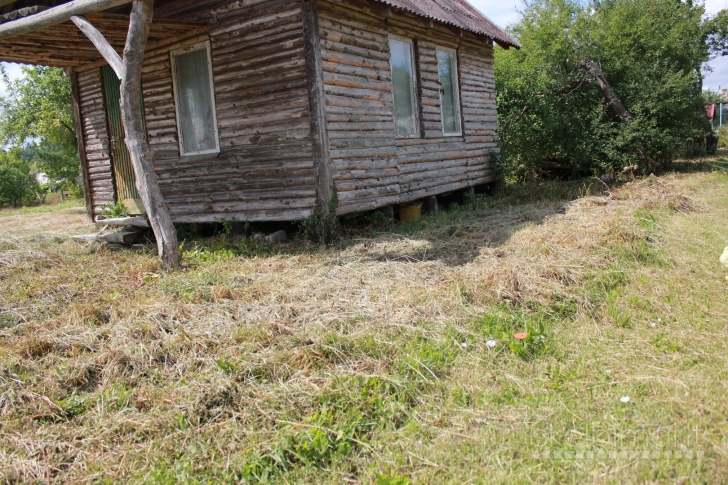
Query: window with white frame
[
  {"x": 449, "y": 91},
  {"x": 403, "y": 86},
  {"x": 195, "y": 100}
]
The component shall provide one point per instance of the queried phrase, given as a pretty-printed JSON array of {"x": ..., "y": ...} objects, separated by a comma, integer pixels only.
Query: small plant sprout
[
  {"x": 530, "y": 343},
  {"x": 624, "y": 399},
  {"x": 491, "y": 344}
]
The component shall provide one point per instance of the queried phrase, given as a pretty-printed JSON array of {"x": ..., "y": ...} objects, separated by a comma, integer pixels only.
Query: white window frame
[
  {"x": 457, "y": 90},
  {"x": 415, "y": 97},
  {"x": 195, "y": 47}
]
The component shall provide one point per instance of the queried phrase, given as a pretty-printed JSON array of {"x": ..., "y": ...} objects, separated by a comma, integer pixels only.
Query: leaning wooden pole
[
  {"x": 136, "y": 140},
  {"x": 595, "y": 70},
  {"x": 129, "y": 70},
  {"x": 55, "y": 15}
]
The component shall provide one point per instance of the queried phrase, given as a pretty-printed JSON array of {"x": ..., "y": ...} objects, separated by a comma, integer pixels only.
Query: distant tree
[
  {"x": 59, "y": 164},
  {"x": 18, "y": 185},
  {"x": 712, "y": 96},
  {"x": 37, "y": 115},
  {"x": 554, "y": 108}
]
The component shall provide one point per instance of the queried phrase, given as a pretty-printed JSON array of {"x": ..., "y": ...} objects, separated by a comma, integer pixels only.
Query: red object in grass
[{"x": 521, "y": 335}]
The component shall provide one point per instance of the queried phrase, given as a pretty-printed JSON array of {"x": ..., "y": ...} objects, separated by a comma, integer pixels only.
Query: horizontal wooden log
[
  {"x": 126, "y": 238},
  {"x": 56, "y": 15},
  {"x": 125, "y": 222}
]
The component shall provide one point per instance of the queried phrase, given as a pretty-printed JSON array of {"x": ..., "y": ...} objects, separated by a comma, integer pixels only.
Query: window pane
[
  {"x": 194, "y": 98},
  {"x": 449, "y": 92},
  {"x": 403, "y": 82}
]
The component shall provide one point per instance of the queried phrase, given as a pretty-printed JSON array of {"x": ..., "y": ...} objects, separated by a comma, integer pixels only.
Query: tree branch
[
  {"x": 147, "y": 183},
  {"x": 596, "y": 71},
  {"x": 98, "y": 40},
  {"x": 68, "y": 128}
]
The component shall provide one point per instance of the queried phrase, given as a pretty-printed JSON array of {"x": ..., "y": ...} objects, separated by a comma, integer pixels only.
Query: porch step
[
  {"x": 127, "y": 238},
  {"x": 124, "y": 222}
]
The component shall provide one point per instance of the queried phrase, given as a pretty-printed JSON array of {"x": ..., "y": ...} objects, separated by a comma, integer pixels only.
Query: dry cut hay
[{"x": 106, "y": 364}]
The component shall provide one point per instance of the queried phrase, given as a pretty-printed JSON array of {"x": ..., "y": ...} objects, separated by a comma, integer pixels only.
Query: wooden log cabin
[{"x": 260, "y": 109}]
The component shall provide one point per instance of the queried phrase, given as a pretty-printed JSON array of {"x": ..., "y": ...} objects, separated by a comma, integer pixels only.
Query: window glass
[
  {"x": 449, "y": 92},
  {"x": 405, "y": 119},
  {"x": 195, "y": 103}
]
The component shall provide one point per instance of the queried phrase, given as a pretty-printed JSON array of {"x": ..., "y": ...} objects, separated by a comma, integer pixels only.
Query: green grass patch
[{"x": 39, "y": 209}]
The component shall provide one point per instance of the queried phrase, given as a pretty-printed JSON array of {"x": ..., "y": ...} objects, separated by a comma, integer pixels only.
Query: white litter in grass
[
  {"x": 624, "y": 399},
  {"x": 491, "y": 343},
  {"x": 464, "y": 344}
]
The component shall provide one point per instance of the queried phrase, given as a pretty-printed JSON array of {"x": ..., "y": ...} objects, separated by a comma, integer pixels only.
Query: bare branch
[{"x": 100, "y": 42}]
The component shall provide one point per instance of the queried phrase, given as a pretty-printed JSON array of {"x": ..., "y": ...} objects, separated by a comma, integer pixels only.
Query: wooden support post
[
  {"x": 130, "y": 73},
  {"x": 429, "y": 205},
  {"x": 238, "y": 229},
  {"x": 315, "y": 83},
  {"x": 147, "y": 184}
]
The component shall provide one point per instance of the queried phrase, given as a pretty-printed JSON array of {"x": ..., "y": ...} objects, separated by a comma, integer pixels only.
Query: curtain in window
[
  {"x": 195, "y": 103},
  {"x": 449, "y": 92},
  {"x": 405, "y": 120}
]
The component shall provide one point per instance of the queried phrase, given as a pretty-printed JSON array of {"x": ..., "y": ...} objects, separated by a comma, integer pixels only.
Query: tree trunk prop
[
  {"x": 129, "y": 70},
  {"x": 595, "y": 70}
]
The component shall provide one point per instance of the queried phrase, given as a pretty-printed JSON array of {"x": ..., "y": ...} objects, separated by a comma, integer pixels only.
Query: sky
[{"x": 505, "y": 12}]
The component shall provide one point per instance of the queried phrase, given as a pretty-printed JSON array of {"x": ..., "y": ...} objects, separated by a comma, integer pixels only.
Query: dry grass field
[{"x": 389, "y": 359}]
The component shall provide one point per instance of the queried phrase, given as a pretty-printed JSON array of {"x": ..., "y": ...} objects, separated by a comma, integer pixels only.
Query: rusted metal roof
[{"x": 457, "y": 13}]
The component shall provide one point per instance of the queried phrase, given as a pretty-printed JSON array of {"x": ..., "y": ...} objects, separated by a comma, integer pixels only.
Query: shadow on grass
[
  {"x": 457, "y": 235},
  {"x": 454, "y": 236},
  {"x": 718, "y": 162}
]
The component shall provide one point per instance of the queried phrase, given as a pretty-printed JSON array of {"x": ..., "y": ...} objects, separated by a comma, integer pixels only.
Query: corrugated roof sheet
[{"x": 458, "y": 13}]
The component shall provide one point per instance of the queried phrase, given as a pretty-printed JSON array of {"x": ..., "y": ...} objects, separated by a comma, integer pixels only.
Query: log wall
[
  {"x": 372, "y": 167},
  {"x": 92, "y": 109},
  {"x": 265, "y": 169}
]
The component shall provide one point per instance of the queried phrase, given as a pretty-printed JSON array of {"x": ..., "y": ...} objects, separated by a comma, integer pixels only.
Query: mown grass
[
  {"x": 57, "y": 206},
  {"x": 389, "y": 359}
]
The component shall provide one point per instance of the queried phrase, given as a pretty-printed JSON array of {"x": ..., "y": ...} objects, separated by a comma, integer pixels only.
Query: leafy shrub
[
  {"x": 723, "y": 136},
  {"x": 553, "y": 116},
  {"x": 17, "y": 184},
  {"x": 111, "y": 211}
]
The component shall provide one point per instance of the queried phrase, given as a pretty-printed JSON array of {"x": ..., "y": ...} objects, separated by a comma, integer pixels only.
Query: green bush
[
  {"x": 18, "y": 185},
  {"x": 723, "y": 136},
  {"x": 552, "y": 113}
]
